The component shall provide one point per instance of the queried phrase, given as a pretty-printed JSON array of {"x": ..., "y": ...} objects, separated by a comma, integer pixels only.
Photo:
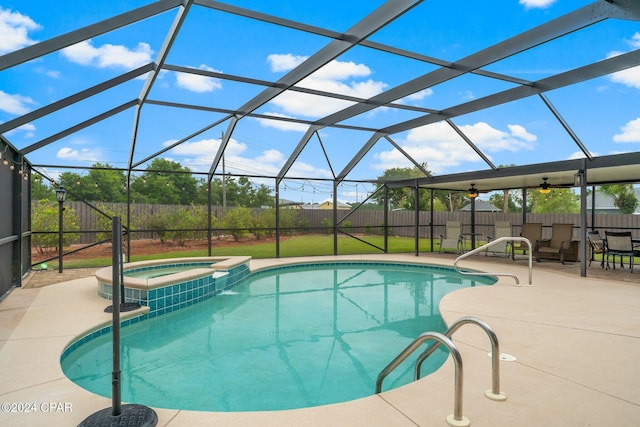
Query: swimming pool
[{"x": 288, "y": 337}]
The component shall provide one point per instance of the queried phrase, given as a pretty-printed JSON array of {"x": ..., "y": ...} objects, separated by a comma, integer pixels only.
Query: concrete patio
[{"x": 576, "y": 342}]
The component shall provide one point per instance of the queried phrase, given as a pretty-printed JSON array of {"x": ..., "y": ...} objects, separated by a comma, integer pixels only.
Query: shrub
[
  {"x": 104, "y": 222},
  {"x": 288, "y": 219},
  {"x": 328, "y": 223},
  {"x": 238, "y": 221},
  {"x": 185, "y": 223},
  {"x": 44, "y": 217},
  {"x": 265, "y": 223}
]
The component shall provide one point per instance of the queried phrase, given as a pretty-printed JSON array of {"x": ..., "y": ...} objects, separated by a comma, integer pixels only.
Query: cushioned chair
[
  {"x": 532, "y": 231},
  {"x": 560, "y": 246},
  {"x": 452, "y": 239},
  {"x": 500, "y": 229},
  {"x": 596, "y": 245},
  {"x": 620, "y": 243}
]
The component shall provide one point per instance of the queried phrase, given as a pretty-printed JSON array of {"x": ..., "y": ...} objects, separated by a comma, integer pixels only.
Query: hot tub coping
[{"x": 218, "y": 263}]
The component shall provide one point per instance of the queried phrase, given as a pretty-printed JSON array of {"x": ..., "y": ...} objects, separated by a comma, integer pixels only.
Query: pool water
[{"x": 281, "y": 339}]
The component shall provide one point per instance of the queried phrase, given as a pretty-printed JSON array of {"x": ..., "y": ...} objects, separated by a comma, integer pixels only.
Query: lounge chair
[
  {"x": 560, "y": 247},
  {"x": 452, "y": 239},
  {"x": 597, "y": 246},
  {"x": 500, "y": 229},
  {"x": 620, "y": 243},
  {"x": 531, "y": 231}
]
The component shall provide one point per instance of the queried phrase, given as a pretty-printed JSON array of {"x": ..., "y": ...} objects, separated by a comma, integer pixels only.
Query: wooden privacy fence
[{"x": 401, "y": 223}]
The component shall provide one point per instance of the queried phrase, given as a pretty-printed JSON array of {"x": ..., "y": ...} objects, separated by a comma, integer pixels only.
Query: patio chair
[
  {"x": 452, "y": 239},
  {"x": 620, "y": 243},
  {"x": 531, "y": 231},
  {"x": 597, "y": 246},
  {"x": 500, "y": 229},
  {"x": 560, "y": 244}
]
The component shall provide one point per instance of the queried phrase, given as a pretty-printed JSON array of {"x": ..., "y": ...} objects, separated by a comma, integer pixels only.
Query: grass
[
  {"x": 308, "y": 245},
  {"x": 294, "y": 246}
]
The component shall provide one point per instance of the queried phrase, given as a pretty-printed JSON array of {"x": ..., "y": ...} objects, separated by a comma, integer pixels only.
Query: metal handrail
[
  {"x": 494, "y": 393},
  {"x": 458, "y": 373},
  {"x": 491, "y": 243}
]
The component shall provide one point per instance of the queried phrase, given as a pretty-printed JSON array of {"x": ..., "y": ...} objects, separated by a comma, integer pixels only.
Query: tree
[
  {"x": 40, "y": 190},
  {"x": 559, "y": 200},
  {"x": 102, "y": 184},
  {"x": 165, "y": 182},
  {"x": 498, "y": 200},
  {"x": 624, "y": 196}
]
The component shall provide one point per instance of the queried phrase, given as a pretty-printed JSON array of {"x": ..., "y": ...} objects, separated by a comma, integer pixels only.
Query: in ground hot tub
[{"x": 173, "y": 283}]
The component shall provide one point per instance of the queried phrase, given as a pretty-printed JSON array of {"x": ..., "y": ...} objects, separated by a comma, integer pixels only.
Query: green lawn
[
  {"x": 308, "y": 245},
  {"x": 294, "y": 246}
]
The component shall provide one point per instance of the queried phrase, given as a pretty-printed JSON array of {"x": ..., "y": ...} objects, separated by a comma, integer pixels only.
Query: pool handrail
[
  {"x": 491, "y": 243},
  {"x": 458, "y": 373},
  {"x": 494, "y": 393}
]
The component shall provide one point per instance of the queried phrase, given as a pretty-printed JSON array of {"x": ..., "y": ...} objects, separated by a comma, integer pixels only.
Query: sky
[{"x": 603, "y": 112}]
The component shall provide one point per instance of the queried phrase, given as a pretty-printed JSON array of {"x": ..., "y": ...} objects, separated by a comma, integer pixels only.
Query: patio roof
[{"x": 289, "y": 120}]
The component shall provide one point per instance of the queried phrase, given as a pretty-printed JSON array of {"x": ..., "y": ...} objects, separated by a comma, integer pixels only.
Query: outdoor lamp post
[{"x": 61, "y": 194}]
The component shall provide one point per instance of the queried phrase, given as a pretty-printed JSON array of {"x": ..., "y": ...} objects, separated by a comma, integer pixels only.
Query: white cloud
[
  {"x": 631, "y": 76},
  {"x": 284, "y": 62},
  {"x": 271, "y": 156},
  {"x": 520, "y": 132},
  {"x": 490, "y": 139},
  {"x": 342, "y": 77},
  {"x": 199, "y": 156},
  {"x": 541, "y": 4},
  {"x": 85, "y": 154},
  {"x": 630, "y": 132},
  {"x": 14, "y": 28},
  {"x": 28, "y": 129},
  {"x": 437, "y": 144},
  {"x": 197, "y": 83},
  {"x": 635, "y": 41},
  {"x": 580, "y": 155},
  {"x": 15, "y": 104},
  {"x": 109, "y": 55},
  {"x": 417, "y": 96},
  {"x": 282, "y": 124},
  {"x": 441, "y": 147}
]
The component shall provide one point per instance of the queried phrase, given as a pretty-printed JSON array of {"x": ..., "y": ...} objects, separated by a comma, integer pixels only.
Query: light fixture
[
  {"x": 61, "y": 194},
  {"x": 472, "y": 192},
  {"x": 545, "y": 187}
]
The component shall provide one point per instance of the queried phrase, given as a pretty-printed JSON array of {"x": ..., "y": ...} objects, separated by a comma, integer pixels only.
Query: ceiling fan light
[
  {"x": 545, "y": 187},
  {"x": 472, "y": 192}
]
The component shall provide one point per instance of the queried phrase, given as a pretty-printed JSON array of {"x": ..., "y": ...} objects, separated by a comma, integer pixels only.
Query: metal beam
[
  {"x": 296, "y": 152},
  {"x": 359, "y": 155},
  {"x": 374, "y": 21},
  {"x": 79, "y": 96},
  {"x": 591, "y": 71},
  {"x": 566, "y": 126},
  {"x": 43, "y": 48},
  {"x": 181, "y": 15},
  {"x": 363, "y": 29},
  {"x": 185, "y": 139},
  {"x": 471, "y": 144},
  {"x": 79, "y": 126},
  {"x": 404, "y": 153},
  {"x": 266, "y": 83},
  {"x": 568, "y": 23},
  {"x": 223, "y": 146},
  {"x": 311, "y": 29}
]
